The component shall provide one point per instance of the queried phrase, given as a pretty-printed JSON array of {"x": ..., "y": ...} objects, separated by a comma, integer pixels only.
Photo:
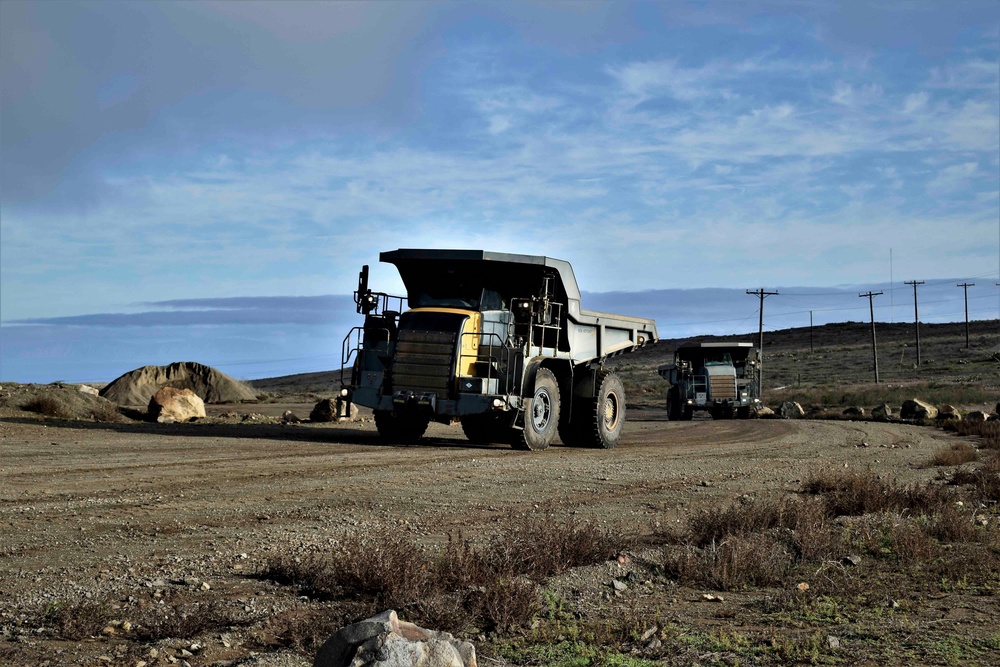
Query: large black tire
[
  {"x": 743, "y": 412},
  {"x": 541, "y": 418},
  {"x": 601, "y": 420},
  {"x": 486, "y": 429},
  {"x": 675, "y": 409},
  {"x": 400, "y": 429}
]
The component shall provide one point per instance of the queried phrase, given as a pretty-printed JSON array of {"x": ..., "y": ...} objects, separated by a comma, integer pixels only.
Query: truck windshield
[{"x": 457, "y": 296}]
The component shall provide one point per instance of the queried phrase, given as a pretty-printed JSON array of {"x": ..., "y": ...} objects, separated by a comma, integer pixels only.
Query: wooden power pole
[
  {"x": 871, "y": 309},
  {"x": 916, "y": 316},
  {"x": 760, "y": 340},
  {"x": 965, "y": 287}
]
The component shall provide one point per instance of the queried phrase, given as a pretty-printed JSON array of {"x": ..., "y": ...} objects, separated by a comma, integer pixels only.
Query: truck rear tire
[
  {"x": 599, "y": 422},
  {"x": 541, "y": 419},
  {"x": 400, "y": 429}
]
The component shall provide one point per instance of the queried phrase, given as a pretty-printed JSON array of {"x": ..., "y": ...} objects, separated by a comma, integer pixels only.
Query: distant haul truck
[
  {"x": 495, "y": 341},
  {"x": 720, "y": 378}
]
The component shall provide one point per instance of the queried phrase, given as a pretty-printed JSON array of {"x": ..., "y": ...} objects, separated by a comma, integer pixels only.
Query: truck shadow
[{"x": 340, "y": 435}]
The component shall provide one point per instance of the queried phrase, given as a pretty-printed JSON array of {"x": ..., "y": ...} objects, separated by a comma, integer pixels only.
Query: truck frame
[
  {"x": 495, "y": 341},
  {"x": 720, "y": 378}
]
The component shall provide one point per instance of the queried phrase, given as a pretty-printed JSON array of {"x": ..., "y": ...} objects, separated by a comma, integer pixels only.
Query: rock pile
[
  {"x": 386, "y": 641},
  {"x": 212, "y": 386}
]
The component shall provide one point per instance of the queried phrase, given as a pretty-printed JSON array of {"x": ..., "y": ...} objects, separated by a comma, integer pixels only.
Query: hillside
[{"x": 840, "y": 356}]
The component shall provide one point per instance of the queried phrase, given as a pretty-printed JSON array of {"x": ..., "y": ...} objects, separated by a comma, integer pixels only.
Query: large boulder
[
  {"x": 977, "y": 417},
  {"x": 791, "y": 410},
  {"x": 946, "y": 412},
  {"x": 212, "y": 386},
  {"x": 386, "y": 641},
  {"x": 170, "y": 405},
  {"x": 916, "y": 409},
  {"x": 882, "y": 412},
  {"x": 333, "y": 410}
]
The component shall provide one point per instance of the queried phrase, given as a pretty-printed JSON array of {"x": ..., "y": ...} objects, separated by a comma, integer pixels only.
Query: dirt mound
[
  {"x": 63, "y": 401},
  {"x": 136, "y": 387}
]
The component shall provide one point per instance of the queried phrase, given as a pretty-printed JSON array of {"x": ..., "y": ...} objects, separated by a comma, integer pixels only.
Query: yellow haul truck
[{"x": 495, "y": 341}]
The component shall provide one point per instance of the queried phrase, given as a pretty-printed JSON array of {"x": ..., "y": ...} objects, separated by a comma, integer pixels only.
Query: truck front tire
[
  {"x": 400, "y": 429},
  {"x": 541, "y": 418}
]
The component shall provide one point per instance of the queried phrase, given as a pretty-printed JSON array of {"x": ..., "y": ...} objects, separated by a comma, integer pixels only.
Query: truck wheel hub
[
  {"x": 611, "y": 412},
  {"x": 540, "y": 409}
]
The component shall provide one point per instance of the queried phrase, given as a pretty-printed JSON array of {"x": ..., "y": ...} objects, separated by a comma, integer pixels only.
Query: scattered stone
[
  {"x": 917, "y": 409},
  {"x": 87, "y": 389},
  {"x": 803, "y": 586},
  {"x": 176, "y": 405},
  {"x": 764, "y": 411},
  {"x": 648, "y": 633},
  {"x": 333, "y": 410},
  {"x": 713, "y": 598},
  {"x": 883, "y": 412},
  {"x": 851, "y": 560},
  {"x": 854, "y": 411},
  {"x": 791, "y": 410},
  {"x": 290, "y": 417},
  {"x": 949, "y": 412},
  {"x": 977, "y": 416},
  {"x": 205, "y": 586},
  {"x": 832, "y": 642},
  {"x": 385, "y": 641},
  {"x": 619, "y": 585}
]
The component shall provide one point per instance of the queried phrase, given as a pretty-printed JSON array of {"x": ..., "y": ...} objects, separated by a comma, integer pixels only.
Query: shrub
[
  {"x": 49, "y": 406},
  {"x": 847, "y": 493},
  {"x": 954, "y": 455},
  {"x": 493, "y": 584},
  {"x": 987, "y": 432},
  {"x": 737, "y": 562},
  {"x": 79, "y": 619}
]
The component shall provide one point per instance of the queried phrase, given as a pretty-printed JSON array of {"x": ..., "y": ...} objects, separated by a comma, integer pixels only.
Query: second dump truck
[
  {"x": 496, "y": 341},
  {"x": 719, "y": 378}
]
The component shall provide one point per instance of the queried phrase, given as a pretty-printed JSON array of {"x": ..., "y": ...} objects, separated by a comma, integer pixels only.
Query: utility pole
[
  {"x": 965, "y": 287},
  {"x": 760, "y": 340},
  {"x": 811, "y": 331},
  {"x": 871, "y": 308},
  {"x": 916, "y": 317}
]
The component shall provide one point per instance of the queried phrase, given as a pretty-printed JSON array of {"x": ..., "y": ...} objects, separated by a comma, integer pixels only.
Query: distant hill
[{"x": 842, "y": 355}]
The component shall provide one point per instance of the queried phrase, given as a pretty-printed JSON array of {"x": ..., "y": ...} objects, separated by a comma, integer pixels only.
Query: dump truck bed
[{"x": 591, "y": 334}]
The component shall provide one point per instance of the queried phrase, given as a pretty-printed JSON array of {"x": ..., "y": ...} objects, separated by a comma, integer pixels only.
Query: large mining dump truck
[
  {"x": 495, "y": 341},
  {"x": 720, "y": 378}
]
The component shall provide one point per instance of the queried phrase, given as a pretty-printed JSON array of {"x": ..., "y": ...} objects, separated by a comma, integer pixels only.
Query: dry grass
[
  {"x": 49, "y": 406},
  {"x": 954, "y": 455},
  {"x": 766, "y": 542},
  {"x": 987, "y": 432},
  {"x": 493, "y": 584}
]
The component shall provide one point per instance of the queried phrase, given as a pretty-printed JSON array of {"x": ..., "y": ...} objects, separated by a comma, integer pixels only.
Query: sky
[{"x": 203, "y": 180}]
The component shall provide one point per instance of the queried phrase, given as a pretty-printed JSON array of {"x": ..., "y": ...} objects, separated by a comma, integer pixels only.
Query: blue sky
[{"x": 201, "y": 180}]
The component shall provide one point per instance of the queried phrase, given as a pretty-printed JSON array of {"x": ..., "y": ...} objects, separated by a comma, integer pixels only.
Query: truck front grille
[
  {"x": 723, "y": 387},
  {"x": 425, "y": 361}
]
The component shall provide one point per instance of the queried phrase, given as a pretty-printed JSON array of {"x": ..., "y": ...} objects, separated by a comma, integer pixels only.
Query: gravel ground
[{"x": 144, "y": 512}]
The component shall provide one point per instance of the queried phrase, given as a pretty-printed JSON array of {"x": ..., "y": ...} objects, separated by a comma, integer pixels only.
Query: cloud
[{"x": 299, "y": 310}]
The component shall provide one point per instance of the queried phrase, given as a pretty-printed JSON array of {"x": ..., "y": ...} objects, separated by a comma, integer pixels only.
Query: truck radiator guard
[{"x": 424, "y": 362}]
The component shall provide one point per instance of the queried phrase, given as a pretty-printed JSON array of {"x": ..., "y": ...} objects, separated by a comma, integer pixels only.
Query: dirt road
[{"x": 87, "y": 508}]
